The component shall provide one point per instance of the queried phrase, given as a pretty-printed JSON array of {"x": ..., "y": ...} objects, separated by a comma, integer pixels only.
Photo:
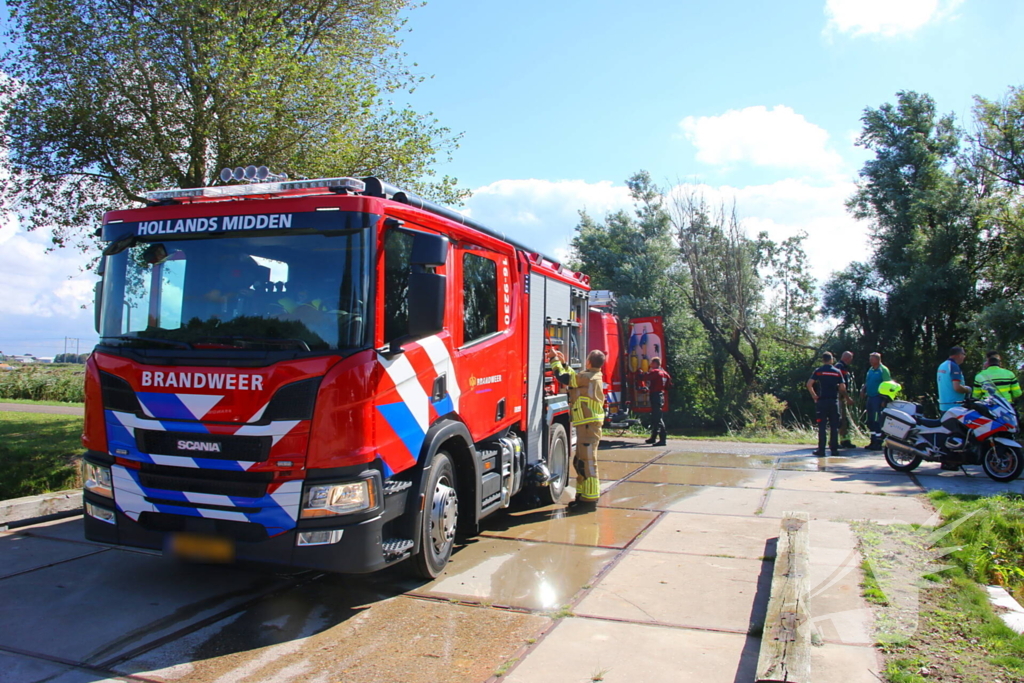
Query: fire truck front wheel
[
  {"x": 558, "y": 464},
  {"x": 439, "y": 519}
]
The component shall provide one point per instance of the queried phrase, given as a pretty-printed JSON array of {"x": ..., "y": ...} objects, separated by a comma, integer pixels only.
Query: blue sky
[{"x": 559, "y": 102}]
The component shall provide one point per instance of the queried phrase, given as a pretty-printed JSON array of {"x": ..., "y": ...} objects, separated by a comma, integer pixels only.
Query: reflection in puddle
[
  {"x": 601, "y": 527},
  {"x": 633, "y": 495},
  {"x": 702, "y": 476},
  {"x": 538, "y": 576},
  {"x": 760, "y": 462}
]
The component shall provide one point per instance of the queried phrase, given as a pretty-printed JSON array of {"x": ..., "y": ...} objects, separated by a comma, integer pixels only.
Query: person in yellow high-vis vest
[{"x": 586, "y": 405}]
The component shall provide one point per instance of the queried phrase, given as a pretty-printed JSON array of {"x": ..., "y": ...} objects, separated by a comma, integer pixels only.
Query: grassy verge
[
  {"x": 38, "y": 453},
  {"x": 30, "y": 402},
  {"x": 933, "y": 619}
]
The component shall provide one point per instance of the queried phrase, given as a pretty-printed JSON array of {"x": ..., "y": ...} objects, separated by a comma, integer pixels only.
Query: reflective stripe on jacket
[
  {"x": 1004, "y": 380},
  {"x": 586, "y": 393}
]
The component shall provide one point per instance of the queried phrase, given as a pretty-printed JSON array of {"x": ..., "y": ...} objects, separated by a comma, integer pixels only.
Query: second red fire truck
[{"x": 330, "y": 374}]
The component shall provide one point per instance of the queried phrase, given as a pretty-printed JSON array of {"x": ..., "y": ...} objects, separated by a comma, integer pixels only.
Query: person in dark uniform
[
  {"x": 831, "y": 389},
  {"x": 657, "y": 382},
  {"x": 845, "y": 421}
]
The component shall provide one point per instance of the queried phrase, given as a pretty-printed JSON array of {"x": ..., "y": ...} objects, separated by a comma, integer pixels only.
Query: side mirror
[{"x": 97, "y": 299}]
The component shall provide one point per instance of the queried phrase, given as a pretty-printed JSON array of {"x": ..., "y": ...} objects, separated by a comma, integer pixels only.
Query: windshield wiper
[
  {"x": 153, "y": 340},
  {"x": 237, "y": 341}
]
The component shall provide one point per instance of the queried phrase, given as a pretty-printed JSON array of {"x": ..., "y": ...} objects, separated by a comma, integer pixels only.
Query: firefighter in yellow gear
[{"x": 586, "y": 404}]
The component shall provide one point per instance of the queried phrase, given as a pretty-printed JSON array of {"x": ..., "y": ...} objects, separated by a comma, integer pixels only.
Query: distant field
[
  {"x": 38, "y": 453},
  {"x": 58, "y": 383}
]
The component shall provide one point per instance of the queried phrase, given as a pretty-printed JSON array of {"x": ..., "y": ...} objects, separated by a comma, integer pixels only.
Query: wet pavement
[{"x": 667, "y": 580}]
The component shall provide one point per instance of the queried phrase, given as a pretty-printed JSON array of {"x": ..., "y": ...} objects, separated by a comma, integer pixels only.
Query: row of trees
[
  {"x": 738, "y": 310},
  {"x": 947, "y": 229}
]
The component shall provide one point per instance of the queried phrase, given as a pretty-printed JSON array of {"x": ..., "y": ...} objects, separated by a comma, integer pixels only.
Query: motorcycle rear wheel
[
  {"x": 900, "y": 461},
  {"x": 1002, "y": 463}
]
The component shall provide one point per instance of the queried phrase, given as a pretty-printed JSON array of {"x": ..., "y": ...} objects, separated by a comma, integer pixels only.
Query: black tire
[
  {"x": 439, "y": 519},
  {"x": 558, "y": 465},
  {"x": 900, "y": 461},
  {"x": 1002, "y": 463}
]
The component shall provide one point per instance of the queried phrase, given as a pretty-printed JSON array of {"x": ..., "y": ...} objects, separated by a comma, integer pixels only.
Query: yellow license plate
[{"x": 198, "y": 548}]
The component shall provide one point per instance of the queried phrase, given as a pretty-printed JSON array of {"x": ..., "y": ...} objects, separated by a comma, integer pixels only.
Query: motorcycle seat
[{"x": 928, "y": 422}]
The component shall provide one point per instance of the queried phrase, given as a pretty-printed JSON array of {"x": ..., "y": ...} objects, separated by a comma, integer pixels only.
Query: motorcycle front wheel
[
  {"x": 900, "y": 461},
  {"x": 1002, "y": 463}
]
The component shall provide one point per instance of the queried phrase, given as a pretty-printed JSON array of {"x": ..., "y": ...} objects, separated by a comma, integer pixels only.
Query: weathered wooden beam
[
  {"x": 785, "y": 655},
  {"x": 30, "y": 507}
]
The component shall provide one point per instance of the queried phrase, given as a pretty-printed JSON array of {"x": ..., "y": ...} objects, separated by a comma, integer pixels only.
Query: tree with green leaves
[{"x": 106, "y": 99}]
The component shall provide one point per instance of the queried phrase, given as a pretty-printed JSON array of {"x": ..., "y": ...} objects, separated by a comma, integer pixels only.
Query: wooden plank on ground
[
  {"x": 30, "y": 507},
  {"x": 785, "y": 655}
]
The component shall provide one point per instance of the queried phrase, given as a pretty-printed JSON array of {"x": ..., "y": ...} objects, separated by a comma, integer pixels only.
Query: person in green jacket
[
  {"x": 1003, "y": 379},
  {"x": 875, "y": 401}
]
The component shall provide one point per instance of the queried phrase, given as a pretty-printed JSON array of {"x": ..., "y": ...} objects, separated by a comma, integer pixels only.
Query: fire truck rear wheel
[
  {"x": 558, "y": 465},
  {"x": 439, "y": 519}
]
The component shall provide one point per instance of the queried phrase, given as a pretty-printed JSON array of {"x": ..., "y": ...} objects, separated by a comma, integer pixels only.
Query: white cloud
[
  {"x": 884, "y": 17},
  {"x": 542, "y": 214},
  {"x": 777, "y": 137},
  {"x": 42, "y": 294}
]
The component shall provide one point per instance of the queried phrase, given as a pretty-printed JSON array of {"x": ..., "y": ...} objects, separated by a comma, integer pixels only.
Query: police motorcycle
[{"x": 979, "y": 432}]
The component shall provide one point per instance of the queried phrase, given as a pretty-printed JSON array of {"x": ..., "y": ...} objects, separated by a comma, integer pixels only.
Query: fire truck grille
[
  {"x": 215, "y": 482},
  {"x": 211, "y": 446}
]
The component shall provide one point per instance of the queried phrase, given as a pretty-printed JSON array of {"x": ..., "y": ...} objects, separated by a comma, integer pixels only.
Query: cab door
[{"x": 490, "y": 375}]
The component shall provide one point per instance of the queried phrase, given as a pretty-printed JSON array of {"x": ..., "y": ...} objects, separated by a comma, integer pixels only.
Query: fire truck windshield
[{"x": 299, "y": 292}]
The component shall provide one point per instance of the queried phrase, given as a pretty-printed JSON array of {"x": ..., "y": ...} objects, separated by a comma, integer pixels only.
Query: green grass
[
  {"x": 991, "y": 539},
  {"x": 64, "y": 383},
  {"x": 38, "y": 453},
  {"x": 30, "y": 402}
]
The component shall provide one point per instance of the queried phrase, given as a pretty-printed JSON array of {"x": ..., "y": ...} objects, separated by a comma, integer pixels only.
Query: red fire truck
[{"x": 330, "y": 374}]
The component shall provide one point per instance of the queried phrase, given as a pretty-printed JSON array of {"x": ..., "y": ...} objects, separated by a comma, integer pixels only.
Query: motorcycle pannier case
[
  {"x": 897, "y": 423},
  {"x": 906, "y": 406}
]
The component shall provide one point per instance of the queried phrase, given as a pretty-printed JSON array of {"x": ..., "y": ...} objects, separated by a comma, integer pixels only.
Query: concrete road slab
[
  {"x": 870, "y": 462},
  {"x": 845, "y": 664},
  {"x": 620, "y": 452},
  {"x": 832, "y": 543},
  {"x": 717, "y": 460},
  {"x": 23, "y": 553},
  {"x": 584, "y": 650},
  {"x": 680, "y": 532},
  {"x": 605, "y": 527},
  {"x": 67, "y": 611},
  {"x": 838, "y": 612},
  {"x": 536, "y": 576},
  {"x": 613, "y": 471},
  {"x": 978, "y": 483},
  {"x": 18, "y": 669},
  {"x": 634, "y": 496},
  {"x": 847, "y": 482},
  {"x": 69, "y": 529},
  {"x": 848, "y": 506},
  {"x": 683, "y": 590},
  {"x": 716, "y": 500},
  {"x": 325, "y": 631},
  {"x": 702, "y": 476}
]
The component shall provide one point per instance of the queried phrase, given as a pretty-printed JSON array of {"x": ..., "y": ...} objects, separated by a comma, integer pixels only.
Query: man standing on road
[
  {"x": 586, "y": 405},
  {"x": 950, "y": 380},
  {"x": 826, "y": 402},
  {"x": 844, "y": 406},
  {"x": 1003, "y": 379},
  {"x": 657, "y": 382},
  {"x": 875, "y": 401}
]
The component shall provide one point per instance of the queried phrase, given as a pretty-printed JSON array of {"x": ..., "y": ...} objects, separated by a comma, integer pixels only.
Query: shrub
[{"x": 43, "y": 383}]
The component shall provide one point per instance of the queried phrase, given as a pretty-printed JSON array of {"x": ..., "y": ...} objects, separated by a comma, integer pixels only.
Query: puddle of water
[
  {"x": 634, "y": 495},
  {"x": 701, "y": 476},
  {"x": 601, "y": 527},
  {"x": 536, "y": 576},
  {"x": 718, "y": 460},
  {"x": 613, "y": 471},
  {"x": 629, "y": 454}
]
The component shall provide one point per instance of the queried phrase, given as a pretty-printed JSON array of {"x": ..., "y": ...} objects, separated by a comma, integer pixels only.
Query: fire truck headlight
[
  {"x": 97, "y": 479},
  {"x": 324, "y": 500}
]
